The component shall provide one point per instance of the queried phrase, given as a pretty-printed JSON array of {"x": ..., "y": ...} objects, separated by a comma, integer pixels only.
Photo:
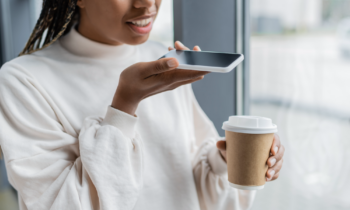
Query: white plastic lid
[{"x": 249, "y": 124}]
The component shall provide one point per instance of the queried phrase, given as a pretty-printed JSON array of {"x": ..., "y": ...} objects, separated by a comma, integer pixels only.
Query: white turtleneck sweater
[{"x": 66, "y": 148}]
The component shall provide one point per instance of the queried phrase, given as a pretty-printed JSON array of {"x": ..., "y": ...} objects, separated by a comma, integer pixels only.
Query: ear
[{"x": 81, "y": 3}]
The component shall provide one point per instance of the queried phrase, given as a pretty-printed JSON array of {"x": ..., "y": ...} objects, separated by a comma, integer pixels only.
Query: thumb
[
  {"x": 221, "y": 145},
  {"x": 159, "y": 66}
]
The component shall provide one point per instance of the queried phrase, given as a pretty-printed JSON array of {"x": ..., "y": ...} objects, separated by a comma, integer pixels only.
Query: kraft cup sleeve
[
  {"x": 216, "y": 162},
  {"x": 124, "y": 122},
  {"x": 246, "y": 157}
]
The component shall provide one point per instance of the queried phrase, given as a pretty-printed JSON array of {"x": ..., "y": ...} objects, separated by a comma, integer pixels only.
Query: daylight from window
[
  {"x": 300, "y": 72},
  {"x": 163, "y": 28}
]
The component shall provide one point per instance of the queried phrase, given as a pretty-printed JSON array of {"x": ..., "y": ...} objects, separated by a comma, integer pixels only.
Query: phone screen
[{"x": 212, "y": 59}]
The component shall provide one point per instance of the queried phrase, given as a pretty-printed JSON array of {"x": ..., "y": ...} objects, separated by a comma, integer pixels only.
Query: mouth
[
  {"x": 142, "y": 22},
  {"x": 141, "y": 25}
]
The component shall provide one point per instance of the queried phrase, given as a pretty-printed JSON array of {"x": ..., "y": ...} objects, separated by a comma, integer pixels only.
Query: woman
[{"x": 79, "y": 129}]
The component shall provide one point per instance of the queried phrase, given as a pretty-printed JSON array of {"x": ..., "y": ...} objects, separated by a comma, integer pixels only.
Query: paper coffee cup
[{"x": 248, "y": 143}]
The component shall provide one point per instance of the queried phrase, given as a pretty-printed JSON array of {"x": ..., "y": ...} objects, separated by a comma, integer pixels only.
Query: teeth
[{"x": 142, "y": 23}]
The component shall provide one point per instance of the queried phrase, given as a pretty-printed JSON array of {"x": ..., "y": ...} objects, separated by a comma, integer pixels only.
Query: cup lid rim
[{"x": 226, "y": 126}]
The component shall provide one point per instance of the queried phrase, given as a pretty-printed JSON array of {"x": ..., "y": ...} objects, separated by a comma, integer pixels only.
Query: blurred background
[{"x": 299, "y": 75}]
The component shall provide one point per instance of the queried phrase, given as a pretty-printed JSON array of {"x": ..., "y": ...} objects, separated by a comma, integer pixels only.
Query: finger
[
  {"x": 159, "y": 66},
  {"x": 196, "y": 48},
  {"x": 274, "y": 159},
  {"x": 170, "y": 48},
  {"x": 221, "y": 145},
  {"x": 275, "y": 145},
  {"x": 189, "y": 74},
  {"x": 157, "y": 90},
  {"x": 179, "y": 75},
  {"x": 180, "y": 46},
  {"x": 270, "y": 174},
  {"x": 275, "y": 177},
  {"x": 185, "y": 82},
  {"x": 274, "y": 170},
  {"x": 164, "y": 80}
]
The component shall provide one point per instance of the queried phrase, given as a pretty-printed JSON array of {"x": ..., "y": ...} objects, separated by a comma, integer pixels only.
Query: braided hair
[{"x": 56, "y": 17}]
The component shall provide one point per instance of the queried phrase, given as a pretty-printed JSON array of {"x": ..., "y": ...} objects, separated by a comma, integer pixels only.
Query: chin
[{"x": 137, "y": 40}]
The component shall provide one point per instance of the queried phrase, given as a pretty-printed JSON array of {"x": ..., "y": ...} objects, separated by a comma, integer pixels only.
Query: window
[{"x": 300, "y": 72}]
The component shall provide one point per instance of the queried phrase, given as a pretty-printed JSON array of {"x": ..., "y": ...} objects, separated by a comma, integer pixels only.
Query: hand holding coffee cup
[
  {"x": 274, "y": 162},
  {"x": 249, "y": 143}
]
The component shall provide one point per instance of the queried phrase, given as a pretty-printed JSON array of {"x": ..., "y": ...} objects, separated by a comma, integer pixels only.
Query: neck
[
  {"x": 86, "y": 29},
  {"x": 82, "y": 46}
]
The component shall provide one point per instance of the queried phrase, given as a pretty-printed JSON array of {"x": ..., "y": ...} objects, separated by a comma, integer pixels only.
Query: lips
[
  {"x": 142, "y": 25},
  {"x": 142, "y": 22},
  {"x": 141, "y": 29}
]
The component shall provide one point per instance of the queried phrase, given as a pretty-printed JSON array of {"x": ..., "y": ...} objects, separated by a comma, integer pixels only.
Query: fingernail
[
  {"x": 171, "y": 63},
  {"x": 273, "y": 161},
  {"x": 272, "y": 173},
  {"x": 198, "y": 47},
  {"x": 276, "y": 150}
]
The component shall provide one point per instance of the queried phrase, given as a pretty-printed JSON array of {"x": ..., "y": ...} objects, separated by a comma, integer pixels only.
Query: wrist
[{"x": 124, "y": 104}]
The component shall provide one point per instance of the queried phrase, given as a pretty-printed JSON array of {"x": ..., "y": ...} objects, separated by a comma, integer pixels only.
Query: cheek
[
  {"x": 158, "y": 2},
  {"x": 107, "y": 15}
]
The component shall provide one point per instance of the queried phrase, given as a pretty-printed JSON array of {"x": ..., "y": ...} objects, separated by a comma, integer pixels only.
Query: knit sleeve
[
  {"x": 210, "y": 169},
  {"x": 56, "y": 167}
]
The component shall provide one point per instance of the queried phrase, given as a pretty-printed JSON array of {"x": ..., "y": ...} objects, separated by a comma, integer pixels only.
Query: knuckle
[
  {"x": 282, "y": 150},
  {"x": 279, "y": 156},
  {"x": 277, "y": 170},
  {"x": 277, "y": 139},
  {"x": 158, "y": 67}
]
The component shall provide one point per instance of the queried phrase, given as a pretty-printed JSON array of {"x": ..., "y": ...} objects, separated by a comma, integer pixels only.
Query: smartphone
[{"x": 205, "y": 61}]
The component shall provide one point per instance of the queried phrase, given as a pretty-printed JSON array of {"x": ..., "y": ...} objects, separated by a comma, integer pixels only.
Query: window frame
[{"x": 185, "y": 14}]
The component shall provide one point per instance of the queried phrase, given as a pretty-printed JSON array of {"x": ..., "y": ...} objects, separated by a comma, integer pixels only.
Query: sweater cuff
[
  {"x": 124, "y": 122},
  {"x": 216, "y": 162}
]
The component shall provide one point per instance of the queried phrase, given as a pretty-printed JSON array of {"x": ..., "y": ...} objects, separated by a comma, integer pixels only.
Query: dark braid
[{"x": 56, "y": 16}]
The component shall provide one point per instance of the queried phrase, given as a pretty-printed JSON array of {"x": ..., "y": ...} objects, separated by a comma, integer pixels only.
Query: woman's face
[{"x": 116, "y": 22}]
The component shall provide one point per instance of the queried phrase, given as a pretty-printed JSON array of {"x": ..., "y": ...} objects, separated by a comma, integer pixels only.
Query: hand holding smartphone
[{"x": 205, "y": 61}]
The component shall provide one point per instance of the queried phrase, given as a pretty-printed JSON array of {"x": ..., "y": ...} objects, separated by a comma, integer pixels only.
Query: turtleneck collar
[{"x": 81, "y": 46}]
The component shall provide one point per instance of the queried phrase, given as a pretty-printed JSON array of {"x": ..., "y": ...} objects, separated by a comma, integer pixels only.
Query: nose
[{"x": 144, "y": 3}]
